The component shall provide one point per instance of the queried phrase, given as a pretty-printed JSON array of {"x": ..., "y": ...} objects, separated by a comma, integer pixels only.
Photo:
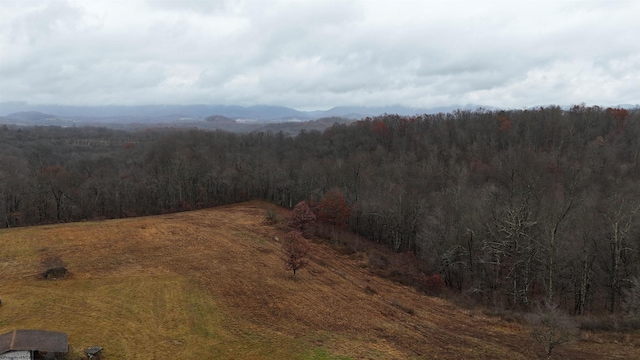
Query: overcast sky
[{"x": 317, "y": 54}]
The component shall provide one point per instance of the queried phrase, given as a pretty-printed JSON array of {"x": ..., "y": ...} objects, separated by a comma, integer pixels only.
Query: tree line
[{"x": 507, "y": 206}]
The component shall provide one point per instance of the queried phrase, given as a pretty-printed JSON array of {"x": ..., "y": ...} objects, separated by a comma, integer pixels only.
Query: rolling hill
[{"x": 210, "y": 284}]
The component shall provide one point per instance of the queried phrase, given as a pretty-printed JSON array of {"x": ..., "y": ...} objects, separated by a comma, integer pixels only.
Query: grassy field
[{"x": 211, "y": 284}]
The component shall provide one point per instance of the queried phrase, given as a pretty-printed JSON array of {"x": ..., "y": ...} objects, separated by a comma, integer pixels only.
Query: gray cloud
[
  {"x": 318, "y": 54},
  {"x": 196, "y": 6}
]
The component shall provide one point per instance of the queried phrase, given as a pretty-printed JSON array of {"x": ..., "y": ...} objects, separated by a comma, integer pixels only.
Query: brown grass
[{"x": 211, "y": 284}]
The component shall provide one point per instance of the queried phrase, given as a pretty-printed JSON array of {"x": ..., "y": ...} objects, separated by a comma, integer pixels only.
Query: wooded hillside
[{"x": 508, "y": 206}]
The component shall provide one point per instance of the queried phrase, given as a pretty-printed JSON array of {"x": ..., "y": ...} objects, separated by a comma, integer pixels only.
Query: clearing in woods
[{"x": 211, "y": 284}]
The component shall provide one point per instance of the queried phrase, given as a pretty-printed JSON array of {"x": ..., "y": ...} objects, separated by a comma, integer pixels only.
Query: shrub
[
  {"x": 55, "y": 273},
  {"x": 552, "y": 327},
  {"x": 54, "y": 267},
  {"x": 377, "y": 260},
  {"x": 609, "y": 323},
  {"x": 271, "y": 217},
  {"x": 601, "y": 323},
  {"x": 184, "y": 205},
  {"x": 434, "y": 284}
]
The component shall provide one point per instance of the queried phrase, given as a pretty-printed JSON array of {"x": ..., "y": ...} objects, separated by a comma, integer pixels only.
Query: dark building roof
[{"x": 34, "y": 340}]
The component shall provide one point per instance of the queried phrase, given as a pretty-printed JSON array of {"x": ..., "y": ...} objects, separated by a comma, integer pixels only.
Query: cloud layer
[{"x": 319, "y": 54}]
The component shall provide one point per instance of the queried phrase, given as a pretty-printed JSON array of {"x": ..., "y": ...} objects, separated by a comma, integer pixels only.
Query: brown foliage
[
  {"x": 333, "y": 209},
  {"x": 381, "y": 129},
  {"x": 434, "y": 284},
  {"x": 301, "y": 216},
  {"x": 296, "y": 251},
  {"x": 504, "y": 124},
  {"x": 620, "y": 117}
]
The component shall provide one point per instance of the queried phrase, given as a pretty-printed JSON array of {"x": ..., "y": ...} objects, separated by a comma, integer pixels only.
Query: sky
[{"x": 316, "y": 54}]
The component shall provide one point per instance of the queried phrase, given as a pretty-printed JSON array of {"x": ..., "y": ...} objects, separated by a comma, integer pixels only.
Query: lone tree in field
[
  {"x": 296, "y": 250},
  {"x": 552, "y": 327},
  {"x": 301, "y": 217}
]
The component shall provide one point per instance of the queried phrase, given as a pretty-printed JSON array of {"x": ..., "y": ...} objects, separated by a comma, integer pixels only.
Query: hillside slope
[{"x": 211, "y": 284}]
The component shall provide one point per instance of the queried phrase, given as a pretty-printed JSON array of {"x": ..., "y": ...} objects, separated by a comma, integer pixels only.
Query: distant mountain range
[
  {"x": 170, "y": 113},
  {"x": 204, "y": 116}
]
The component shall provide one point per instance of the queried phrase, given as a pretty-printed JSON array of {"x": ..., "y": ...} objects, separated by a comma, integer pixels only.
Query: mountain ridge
[
  {"x": 167, "y": 113},
  {"x": 119, "y": 116}
]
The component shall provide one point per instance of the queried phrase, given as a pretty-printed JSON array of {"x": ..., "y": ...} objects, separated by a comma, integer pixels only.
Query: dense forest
[{"x": 508, "y": 206}]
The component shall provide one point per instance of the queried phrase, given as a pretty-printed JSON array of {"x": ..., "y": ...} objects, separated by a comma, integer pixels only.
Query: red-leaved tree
[
  {"x": 504, "y": 125},
  {"x": 333, "y": 209},
  {"x": 301, "y": 217},
  {"x": 296, "y": 251},
  {"x": 620, "y": 117},
  {"x": 434, "y": 284}
]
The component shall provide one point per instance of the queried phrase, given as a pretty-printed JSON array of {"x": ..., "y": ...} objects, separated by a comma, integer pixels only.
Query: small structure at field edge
[
  {"x": 33, "y": 344},
  {"x": 94, "y": 352}
]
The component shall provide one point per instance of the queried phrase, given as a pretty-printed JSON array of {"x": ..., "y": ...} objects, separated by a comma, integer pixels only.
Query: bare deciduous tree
[
  {"x": 632, "y": 301},
  {"x": 621, "y": 219},
  {"x": 552, "y": 327}
]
